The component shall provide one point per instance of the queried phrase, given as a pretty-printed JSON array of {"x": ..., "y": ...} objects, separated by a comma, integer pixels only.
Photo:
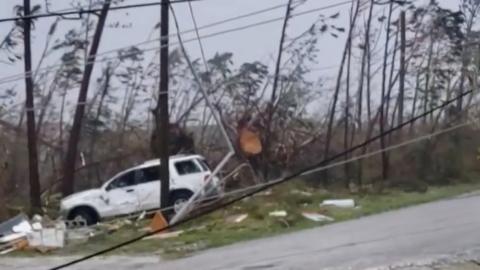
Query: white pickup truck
[{"x": 138, "y": 189}]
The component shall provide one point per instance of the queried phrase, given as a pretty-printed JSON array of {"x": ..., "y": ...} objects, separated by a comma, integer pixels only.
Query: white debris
[
  {"x": 79, "y": 235},
  {"x": 345, "y": 203},
  {"x": 317, "y": 217},
  {"x": 237, "y": 218},
  {"x": 37, "y": 226},
  {"x": 165, "y": 235},
  {"x": 280, "y": 213},
  {"x": 12, "y": 237},
  {"x": 142, "y": 216},
  {"x": 37, "y": 218},
  {"x": 48, "y": 237},
  {"x": 301, "y": 192},
  {"x": 22, "y": 227}
]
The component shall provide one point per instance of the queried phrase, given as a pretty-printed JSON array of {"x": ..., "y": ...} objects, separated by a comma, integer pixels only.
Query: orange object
[
  {"x": 250, "y": 142},
  {"x": 22, "y": 244},
  {"x": 158, "y": 222}
]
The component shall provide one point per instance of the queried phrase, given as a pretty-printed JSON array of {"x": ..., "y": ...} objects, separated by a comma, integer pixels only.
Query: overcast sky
[{"x": 258, "y": 43}]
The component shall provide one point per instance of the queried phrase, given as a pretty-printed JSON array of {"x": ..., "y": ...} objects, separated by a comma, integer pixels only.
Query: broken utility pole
[{"x": 162, "y": 120}]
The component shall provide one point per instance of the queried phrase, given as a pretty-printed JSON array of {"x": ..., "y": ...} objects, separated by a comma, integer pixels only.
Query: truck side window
[
  {"x": 124, "y": 180},
  {"x": 146, "y": 175},
  {"x": 187, "y": 167}
]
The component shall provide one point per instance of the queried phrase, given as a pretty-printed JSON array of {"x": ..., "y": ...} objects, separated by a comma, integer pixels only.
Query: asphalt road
[{"x": 419, "y": 233}]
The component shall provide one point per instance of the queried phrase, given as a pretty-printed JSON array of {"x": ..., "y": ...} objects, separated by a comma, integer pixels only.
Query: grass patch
[{"x": 214, "y": 231}]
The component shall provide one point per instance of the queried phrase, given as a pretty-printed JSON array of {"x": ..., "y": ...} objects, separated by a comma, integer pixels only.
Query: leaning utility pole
[
  {"x": 161, "y": 111},
  {"x": 35, "y": 202}
]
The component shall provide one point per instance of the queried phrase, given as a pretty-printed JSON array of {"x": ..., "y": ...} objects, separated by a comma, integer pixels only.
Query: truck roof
[{"x": 155, "y": 162}]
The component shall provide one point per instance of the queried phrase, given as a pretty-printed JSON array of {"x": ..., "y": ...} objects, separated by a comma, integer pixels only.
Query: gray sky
[{"x": 259, "y": 43}]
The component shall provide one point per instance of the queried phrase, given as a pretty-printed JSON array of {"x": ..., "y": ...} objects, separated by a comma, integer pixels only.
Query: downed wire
[
  {"x": 80, "y": 12},
  {"x": 238, "y": 28},
  {"x": 307, "y": 170}
]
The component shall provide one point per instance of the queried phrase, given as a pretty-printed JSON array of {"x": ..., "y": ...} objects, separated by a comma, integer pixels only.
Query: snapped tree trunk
[{"x": 74, "y": 139}]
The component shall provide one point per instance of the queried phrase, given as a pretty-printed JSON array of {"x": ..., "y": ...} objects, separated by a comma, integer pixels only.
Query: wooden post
[
  {"x": 162, "y": 116},
  {"x": 35, "y": 202}
]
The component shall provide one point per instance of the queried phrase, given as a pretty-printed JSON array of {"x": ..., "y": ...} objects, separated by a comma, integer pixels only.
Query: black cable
[
  {"x": 202, "y": 51},
  {"x": 283, "y": 180},
  {"x": 235, "y": 29},
  {"x": 80, "y": 12}
]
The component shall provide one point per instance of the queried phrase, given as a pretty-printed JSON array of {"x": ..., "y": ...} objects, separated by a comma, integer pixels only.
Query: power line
[
  {"x": 235, "y": 29},
  {"x": 291, "y": 177},
  {"x": 80, "y": 12},
  {"x": 20, "y": 76},
  {"x": 202, "y": 51}
]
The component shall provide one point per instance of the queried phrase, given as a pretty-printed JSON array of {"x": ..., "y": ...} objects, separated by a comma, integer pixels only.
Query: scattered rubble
[
  {"x": 236, "y": 218},
  {"x": 344, "y": 203},
  {"x": 301, "y": 192},
  {"x": 280, "y": 213},
  {"x": 7, "y": 226},
  {"x": 47, "y": 238},
  {"x": 317, "y": 217},
  {"x": 165, "y": 235},
  {"x": 158, "y": 222}
]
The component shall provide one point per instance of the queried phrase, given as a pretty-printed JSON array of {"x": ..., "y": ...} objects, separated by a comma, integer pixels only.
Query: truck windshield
[{"x": 204, "y": 164}]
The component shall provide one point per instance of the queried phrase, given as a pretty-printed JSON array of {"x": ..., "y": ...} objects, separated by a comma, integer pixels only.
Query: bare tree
[
  {"x": 331, "y": 118},
  {"x": 271, "y": 108},
  {"x": 383, "y": 97},
  {"x": 71, "y": 155},
  {"x": 402, "y": 71},
  {"x": 365, "y": 51}
]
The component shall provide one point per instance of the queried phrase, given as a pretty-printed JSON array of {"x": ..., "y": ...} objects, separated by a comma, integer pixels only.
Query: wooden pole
[
  {"x": 162, "y": 116},
  {"x": 35, "y": 202}
]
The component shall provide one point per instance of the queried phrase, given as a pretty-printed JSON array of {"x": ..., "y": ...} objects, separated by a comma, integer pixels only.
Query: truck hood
[{"x": 83, "y": 195}]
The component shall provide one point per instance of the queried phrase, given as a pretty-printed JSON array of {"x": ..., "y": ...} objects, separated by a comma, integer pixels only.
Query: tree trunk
[
  {"x": 385, "y": 162},
  {"x": 94, "y": 136},
  {"x": 35, "y": 202},
  {"x": 267, "y": 140},
  {"x": 415, "y": 100},
  {"x": 427, "y": 80},
  {"x": 362, "y": 68},
  {"x": 331, "y": 118},
  {"x": 71, "y": 155},
  {"x": 401, "y": 89},
  {"x": 391, "y": 84},
  {"x": 346, "y": 135}
]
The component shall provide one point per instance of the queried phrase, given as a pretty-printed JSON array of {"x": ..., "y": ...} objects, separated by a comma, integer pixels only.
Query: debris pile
[{"x": 41, "y": 234}]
